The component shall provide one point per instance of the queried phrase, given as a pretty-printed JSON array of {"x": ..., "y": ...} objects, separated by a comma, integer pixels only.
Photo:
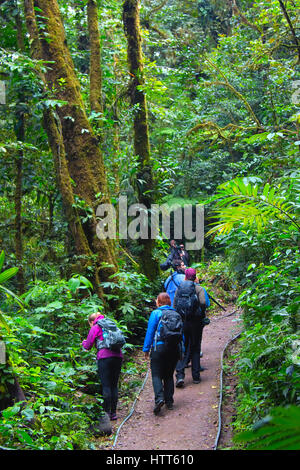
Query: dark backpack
[
  {"x": 169, "y": 329},
  {"x": 186, "y": 301},
  {"x": 113, "y": 337}
]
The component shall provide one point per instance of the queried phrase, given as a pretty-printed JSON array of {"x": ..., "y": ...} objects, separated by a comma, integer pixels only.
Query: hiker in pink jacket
[{"x": 109, "y": 366}]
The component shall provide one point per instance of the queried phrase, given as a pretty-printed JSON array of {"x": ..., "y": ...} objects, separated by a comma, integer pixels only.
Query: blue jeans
[{"x": 109, "y": 372}]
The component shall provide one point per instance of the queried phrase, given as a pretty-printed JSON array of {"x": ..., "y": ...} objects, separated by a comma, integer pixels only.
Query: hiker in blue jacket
[
  {"x": 175, "y": 279},
  {"x": 163, "y": 359}
]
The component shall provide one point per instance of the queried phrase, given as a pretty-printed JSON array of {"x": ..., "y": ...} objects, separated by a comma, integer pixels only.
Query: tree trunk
[
  {"x": 18, "y": 219},
  {"x": 95, "y": 57},
  {"x": 20, "y": 135},
  {"x": 291, "y": 26},
  {"x": 75, "y": 148},
  {"x": 145, "y": 186}
]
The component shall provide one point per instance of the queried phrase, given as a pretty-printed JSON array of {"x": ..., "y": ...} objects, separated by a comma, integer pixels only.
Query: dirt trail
[{"x": 193, "y": 423}]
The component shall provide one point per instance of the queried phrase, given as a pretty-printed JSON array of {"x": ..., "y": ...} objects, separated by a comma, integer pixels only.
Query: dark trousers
[
  {"x": 163, "y": 363},
  {"x": 109, "y": 372},
  {"x": 192, "y": 331}
]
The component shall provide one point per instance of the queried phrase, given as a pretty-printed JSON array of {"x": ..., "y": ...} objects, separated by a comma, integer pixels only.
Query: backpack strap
[
  {"x": 156, "y": 334},
  {"x": 172, "y": 279}
]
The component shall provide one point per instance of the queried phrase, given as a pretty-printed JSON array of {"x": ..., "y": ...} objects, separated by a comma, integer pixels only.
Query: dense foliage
[{"x": 222, "y": 89}]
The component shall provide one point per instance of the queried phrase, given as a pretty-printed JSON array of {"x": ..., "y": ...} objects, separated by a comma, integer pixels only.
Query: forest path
[{"x": 193, "y": 423}]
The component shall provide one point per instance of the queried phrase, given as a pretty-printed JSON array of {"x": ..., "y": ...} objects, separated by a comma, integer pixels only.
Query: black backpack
[
  {"x": 169, "y": 328},
  {"x": 186, "y": 301},
  {"x": 113, "y": 337}
]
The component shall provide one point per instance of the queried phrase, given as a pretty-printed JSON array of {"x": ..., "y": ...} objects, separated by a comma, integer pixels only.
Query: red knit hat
[{"x": 190, "y": 274}]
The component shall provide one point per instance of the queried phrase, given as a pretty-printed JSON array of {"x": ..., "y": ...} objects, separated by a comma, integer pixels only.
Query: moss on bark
[
  {"x": 145, "y": 187},
  {"x": 74, "y": 146},
  {"x": 95, "y": 57}
]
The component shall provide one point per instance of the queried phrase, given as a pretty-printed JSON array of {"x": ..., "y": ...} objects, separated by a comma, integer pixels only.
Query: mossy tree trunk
[
  {"x": 20, "y": 135},
  {"x": 145, "y": 185},
  {"x": 95, "y": 57},
  {"x": 77, "y": 156}
]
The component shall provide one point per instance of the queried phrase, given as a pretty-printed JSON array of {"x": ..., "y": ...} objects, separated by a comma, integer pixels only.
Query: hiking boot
[
  {"x": 104, "y": 427},
  {"x": 179, "y": 383},
  {"x": 170, "y": 406},
  {"x": 158, "y": 407},
  {"x": 197, "y": 381}
]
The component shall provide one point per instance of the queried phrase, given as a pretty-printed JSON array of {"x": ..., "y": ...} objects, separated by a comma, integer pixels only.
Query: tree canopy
[{"x": 159, "y": 102}]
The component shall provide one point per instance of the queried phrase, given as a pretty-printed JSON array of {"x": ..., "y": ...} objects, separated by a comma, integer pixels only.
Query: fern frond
[
  {"x": 3, "y": 322},
  {"x": 278, "y": 431},
  {"x": 240, "y": 203}
]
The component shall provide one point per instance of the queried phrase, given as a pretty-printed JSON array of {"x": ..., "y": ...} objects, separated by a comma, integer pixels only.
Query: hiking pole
[{"x": 216, "y": 302}]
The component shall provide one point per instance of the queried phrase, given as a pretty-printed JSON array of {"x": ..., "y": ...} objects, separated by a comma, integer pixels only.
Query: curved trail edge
[{"x": 193, "y": 423}]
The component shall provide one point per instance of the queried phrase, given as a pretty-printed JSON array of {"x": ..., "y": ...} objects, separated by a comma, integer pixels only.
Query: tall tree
[
  {"x": 95, "y": 57},
  {"x": 79, "y": 161},
  {"x": 20, "y": 135},
  {"x": 145, "y": 184}
]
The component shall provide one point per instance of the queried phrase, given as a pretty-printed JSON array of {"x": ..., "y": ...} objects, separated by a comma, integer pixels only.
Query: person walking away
[
  {"x": 175, "y": 279},
  {"x": 174, "y": 255},
  {"x": 191, "y": 301},
  {"x": 109, "y": 364},
  {"x": 184, "y": 255},
  {"x": 175, "y": 250},
  {"x": 163, "y": 352}
]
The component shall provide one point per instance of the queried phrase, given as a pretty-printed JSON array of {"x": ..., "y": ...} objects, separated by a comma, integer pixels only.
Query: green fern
[
  {"x": 239, "y": 203},
  {"x": 278, "y": 431},
  {"x": 3, "y": 322},
  {"x": 5, "y": 276}
]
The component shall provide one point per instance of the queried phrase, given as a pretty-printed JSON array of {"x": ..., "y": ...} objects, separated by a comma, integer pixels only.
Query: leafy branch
[
  {"x": 228, "y": 85},
  {"x": 5, "y": 276},
  {"x": 278, "y": 431},
  {"x": 240, "y": 203}
]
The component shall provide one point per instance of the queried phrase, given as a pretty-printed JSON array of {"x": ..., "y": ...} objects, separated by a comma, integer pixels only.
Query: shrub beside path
[{"x": 193, "y": 423}]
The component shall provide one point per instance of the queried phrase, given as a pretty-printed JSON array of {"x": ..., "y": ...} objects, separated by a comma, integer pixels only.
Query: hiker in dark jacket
[
  {"x": 192, "y": 330},
  {"x": 184, "y": 255},
  {"x": 162, "y": 359},
  {"x": 174, "y": 255},
  {"x": 175, "y": 279}
]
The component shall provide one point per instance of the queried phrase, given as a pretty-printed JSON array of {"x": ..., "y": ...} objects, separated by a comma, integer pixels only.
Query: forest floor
[{"x": 194, "y": 422}]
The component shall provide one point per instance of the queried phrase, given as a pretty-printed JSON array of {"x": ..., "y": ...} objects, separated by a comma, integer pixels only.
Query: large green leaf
[
  {"x": 2, "y": 256},
  {"x": 278, "y": 431},
  {"x": 238, "y": 202},
  {"x": 3, "y": 322},
  {"x": 12, "y": 294},
  {"x": 7, "y": 274}
]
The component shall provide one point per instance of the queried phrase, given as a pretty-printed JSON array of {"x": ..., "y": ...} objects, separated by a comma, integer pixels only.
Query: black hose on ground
[
  {"x": 221, "y": 390},
  {"x": 221, "y": 385},
  {"x": 132, "y": 409}
]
